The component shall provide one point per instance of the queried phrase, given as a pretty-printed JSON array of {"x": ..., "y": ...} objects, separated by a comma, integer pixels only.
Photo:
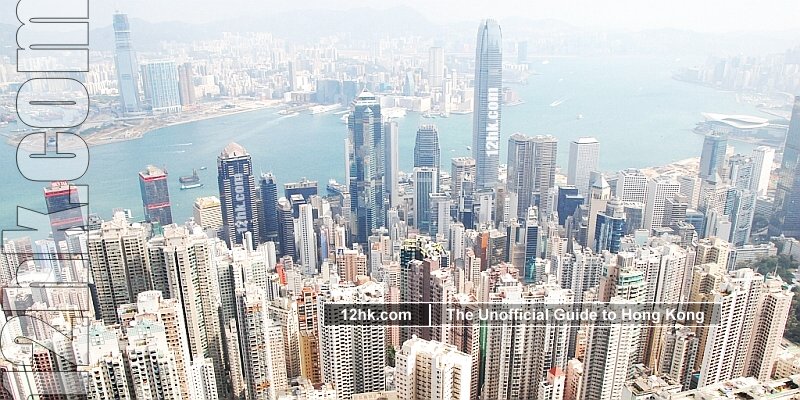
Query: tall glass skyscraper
[
  {"x": 268, "y": 189},
  {"x": 237, "y": 194},
  {"x": 713, "y": 158},
  {"x": 787, "y": 197},
  {"x": 365, "y": 166},
  {"x": 487, "y": 103},
  {"x": 127, "y": 67},
  {"x": 427, "y": 152},
  {"x": 155, "y": 195},
  {"x": 161, "y": 91}
]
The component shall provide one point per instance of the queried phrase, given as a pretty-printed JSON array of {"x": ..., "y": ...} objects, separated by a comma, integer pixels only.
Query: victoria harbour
[{"x": 632, "y": 105}]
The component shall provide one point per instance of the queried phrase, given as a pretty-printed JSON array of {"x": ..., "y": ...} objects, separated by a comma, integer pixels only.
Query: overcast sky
[{"x": 697, "y": 15}]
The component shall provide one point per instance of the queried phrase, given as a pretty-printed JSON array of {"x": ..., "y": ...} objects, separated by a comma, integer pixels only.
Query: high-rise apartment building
[
  {"x": 487, "y": 103},
  {"x": 160, "y": 82},
  {"x": 432, "y": 370},
  {"x": 207, "y": 212}
]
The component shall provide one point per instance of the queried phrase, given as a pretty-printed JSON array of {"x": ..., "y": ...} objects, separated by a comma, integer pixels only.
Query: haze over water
[{"x": 640, "y": 115}]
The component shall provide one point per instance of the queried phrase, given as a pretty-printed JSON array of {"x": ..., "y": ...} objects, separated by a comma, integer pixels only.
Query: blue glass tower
[
  {"x": 365, "y": 166},
  {"x": 237, "y": 194},
  {"x": 610, "y": 228},
  {"x": 268, "y": 189},
  {"x": 568, "y": 201},
  {"x": 487, "y": 103},
  {"x": 787, "y": 197},
  {"x": 127, "y": 67}
]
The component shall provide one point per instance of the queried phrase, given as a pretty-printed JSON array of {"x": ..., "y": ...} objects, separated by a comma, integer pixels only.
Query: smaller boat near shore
[{"x": 191, "y": 186}]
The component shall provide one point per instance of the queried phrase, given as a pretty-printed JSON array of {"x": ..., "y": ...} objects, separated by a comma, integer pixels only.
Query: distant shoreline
[{"x": 127, "y": 133}]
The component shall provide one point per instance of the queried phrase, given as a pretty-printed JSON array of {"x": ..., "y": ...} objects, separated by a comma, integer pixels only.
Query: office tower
[
  {"x": 427, "y": 152},
  {"x": 439, "y": 215},
  {"x": 519, "y": 356},
  {"x": 740, "y": 171},
  {"x": 154, "y": 372},
  {"x": 410, "y": 84},
  {"x": 426, "y": 181},
  {"x": 305, "y": 188},
  {"x": 120, "y": 265},
  {"x": 365, "y": 144},
  {"x": 727, "y": 341},
  {"x": 268, "y": 189},
  {"x": 631, "y": 186},
  {"x": 207, "y": 212},
  {"x": 787, "y": 196},
  {"x": 544, "y": 164},
  {"x": 599, "y": 195},
  {"x": 353, "y": 357},
  {"x": 436, "y": 67},
  {"x": 659, "y": 189},
  {"x": 712, "y": 160},
  {"x": 307, "y": 240},
  {"x": 610, "y": 227},
  {"x": 568, "y": 200},
  {"x": 763, "y": 157},
  {"x": 286, "y": 229},
  {"x": 460, "y": 167},
  {"x": 532, "y": 239},
  {"x": 519, "y": 176},
  {"x": 237, "y": 194},
  {"x": 487, "y": 103},
  {"x": 185, "y": 255},
  {"x": 584, "y": 158},
  {"x": 186, "y": 84},
  {"x": 391, "y": 159},
  {"x": 264, "y": 362},
  {"x": 741, "y": 216},
  {"x": 160, "y": 82},
  {"x": 430, "y": 370},
  {"x": 155, "y": 195},
  {"x": 127, "y": 67},
  {"x": 608, "y": 355},
  {"x": 675, "y": 210},
  {"x": 63, "y": 209}
]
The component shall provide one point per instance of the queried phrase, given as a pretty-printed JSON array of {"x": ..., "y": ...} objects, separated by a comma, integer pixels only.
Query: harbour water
[{"x": 640, "y": 115}]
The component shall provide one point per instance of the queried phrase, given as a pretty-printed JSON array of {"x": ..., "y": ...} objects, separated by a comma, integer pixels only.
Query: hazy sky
[{"x": 698, "y": 15}]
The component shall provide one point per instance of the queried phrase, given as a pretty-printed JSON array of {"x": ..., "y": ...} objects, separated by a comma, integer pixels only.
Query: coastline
[{"x": 126, "y": 133}]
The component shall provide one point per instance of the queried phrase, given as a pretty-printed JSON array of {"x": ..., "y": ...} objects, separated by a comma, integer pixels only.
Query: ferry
[
  {"x": 191, "y": 186},
  {"x": 193, "y": 178},
  {"x": 323, "y": 109}
]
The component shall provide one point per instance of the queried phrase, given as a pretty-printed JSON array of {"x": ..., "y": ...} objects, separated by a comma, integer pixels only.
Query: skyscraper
[
  {"x": 568, "y": 200},
  {"x": 207, "y": 212},
  {"x": 268, "y": 189},
  {"x": 584, "y": 158},
  {"x": 127, "y": 67},
  {"x": 286, "y": 229},
  {"x": 631, "y": 186},
  {"x": 610, "y": 227},
  {"x": 435, "y": 67},
  {"x": 787, "y": 197},
  {"x": 712, "y": 160},
  {"x": 426, "y": 181},
  {"x": 365, "y": 144},
  {"x": 460, "y": 167},
  {"x": 487, "y": 103},
  {"x": 427, "y": 152},
  {"x": 307, "y": 239},
  {"x": 544, "y": 164},
  {"x": 237, "y": 194},
  {"x": 186, "y": 84},
  {"x": 763, "y": 158},
  {"x": 432, "y": 370},
  {"x": 659, "y": 190},
  {"x": 391, "y": 159},
  {"x": 519, "y": 178},
  {"x": 63, "y": 208},
  {"x": 160, "y": 82},
  {"x": 155, "y": 195}
]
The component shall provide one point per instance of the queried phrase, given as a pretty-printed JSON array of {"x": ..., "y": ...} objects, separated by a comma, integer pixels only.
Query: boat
[
  {"x": 558, "y": 102},
  {"x": 580, "y": 116},
  {"x": 193, "y": 178},
  {"x": 191, "y": 186},
  {"x": 320, "y": 109},
  {"x": 203, "y": 168}
]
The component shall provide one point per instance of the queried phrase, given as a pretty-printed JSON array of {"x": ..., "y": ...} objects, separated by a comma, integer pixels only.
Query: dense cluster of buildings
[{"x": 232, "y": 304}]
